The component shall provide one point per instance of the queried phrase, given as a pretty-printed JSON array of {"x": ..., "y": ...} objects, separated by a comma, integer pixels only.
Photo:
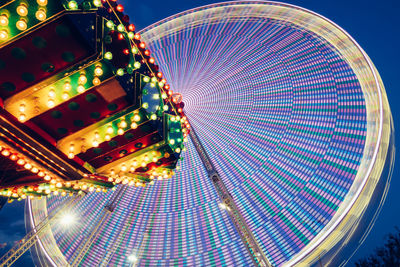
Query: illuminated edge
[
  {"x": 377, "y": 106},
  {"x": 378, "y": 111}
]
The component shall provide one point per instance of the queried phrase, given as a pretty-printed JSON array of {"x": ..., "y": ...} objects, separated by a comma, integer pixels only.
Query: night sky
[{"x": 373, "y": 24}]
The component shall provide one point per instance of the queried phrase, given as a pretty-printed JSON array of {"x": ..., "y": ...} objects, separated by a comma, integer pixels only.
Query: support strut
[
  {"x": 256, "y": 254},
  {"x": 32, "y": 237}
]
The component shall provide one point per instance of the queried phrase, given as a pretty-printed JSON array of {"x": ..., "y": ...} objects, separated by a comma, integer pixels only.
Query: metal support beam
[
  {"x": 108, "y": 209},
  {"x": 32, "y": 237},
  {"x": 256, "y": 254}
]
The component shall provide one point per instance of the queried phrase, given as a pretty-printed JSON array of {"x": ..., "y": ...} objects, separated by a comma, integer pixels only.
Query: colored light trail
[{"x": 293, "y": 115}]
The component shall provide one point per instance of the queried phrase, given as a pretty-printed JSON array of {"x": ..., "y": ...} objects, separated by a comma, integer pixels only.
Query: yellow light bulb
[
  {"x": 3, "y": 20},
  {"x": 110, "y": 129},
  {"x": 96, "y": 81},
  {"x": 47, "y": 177},
  {"x": 22, "y": 108},
  {"x": 3, "y": 35},
  {"x": 123, "y": 124},
  {"x": 107, "y": 137},
  {"x": 65, "y": 96},
  {"x": 81, "y": 89},
  {"x": 28, "y": 166},
  {"x": 134, "y": 125},
  {"x": 120, "y": 131},
  {"x": 67, "y": 86},
  {"x": 22, "y": 117},
  {"x": 50, "y": 103},
  {"x": 136, "y": 118},
  {"x": 42, "y": 2},
  {"x": 22, "y": 10},
  {"x": 52, "y": 94},
  {"x": 98, "y": 71},
  {"x": 123, "y": 168},
  {"x": 82, "y": 79},
  {"x": 134, "y": 163},
  {"x": 95, "y": 143},
  {"x": 21, "y": 25},
  {"x": 40, "y": 14}
]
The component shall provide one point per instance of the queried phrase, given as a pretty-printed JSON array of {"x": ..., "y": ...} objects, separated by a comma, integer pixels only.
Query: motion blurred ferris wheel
[{"x": 289, "y": 148}]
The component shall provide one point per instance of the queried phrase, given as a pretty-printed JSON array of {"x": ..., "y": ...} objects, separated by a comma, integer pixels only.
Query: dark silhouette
[{"x": 387, "y": 255}]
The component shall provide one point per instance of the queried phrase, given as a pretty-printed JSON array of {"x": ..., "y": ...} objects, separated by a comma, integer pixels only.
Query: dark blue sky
[{"x": 373, "y": 24}]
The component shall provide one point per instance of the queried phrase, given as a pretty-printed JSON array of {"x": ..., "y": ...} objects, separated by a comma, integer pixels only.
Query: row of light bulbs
[
  {"x": 51, "y": 102},
  {"x": 110, "y": 132},
  {"x": 22, "y": 24}
]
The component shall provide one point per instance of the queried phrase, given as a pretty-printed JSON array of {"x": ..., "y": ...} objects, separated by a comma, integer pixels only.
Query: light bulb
[
  {"x": 123, "y": 124},
  {"x": 3, "y": 20},
  {"x": 22, "y": 108},
  {"x": 50, "y": 103},
  {"x": 95, "y": 143},
  {"x": 22, "y": 10},
  {"x": 40, "y": 14},
  {"x": 96, "y": 81},
  {"x": 65, "y": 96},
  {"x": 108, "y": 55},
  {"x": 98, "y": 71},
  {"x": 120, "y": 72},
  {"x": 110, "y": 24},
  {"x": 120, "y": 131},
  {"x": 42, "y": 2},
  {"x": 110, "y": 129},
  {"x": 107, "y": 137},
  {"x": 134, "y": 125},
  {"x": 136, "y": 118},
  {"x": 73, "y": 5},
  {"x": 137, "y": 65},
  {"x": 97, "y": 3},
  {"x": 28, "y": 166},
  {"x": 52, "y": 94},
  {"x": 22, "y": 117},
  {"x": 67, "y": 86},
  {"x": 21, "y": 25},
  {"x": 82, "y": 79},
  {"x": 123, "y": 168},
  {"x": 80, "y": 89},
  {"x": 121, "y": 28}
]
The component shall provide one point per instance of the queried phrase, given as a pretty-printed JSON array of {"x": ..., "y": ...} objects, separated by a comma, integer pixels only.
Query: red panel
[
  {"x": 12, "y": 174},
  {"x": 69, "y": 117},
  {"x": 48, "y": 44},
  {"x": 152, "y": 165},
  {"x": 123, "y": 145}
]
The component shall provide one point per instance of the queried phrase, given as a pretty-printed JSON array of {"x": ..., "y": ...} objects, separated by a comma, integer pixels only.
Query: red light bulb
[
  {"x": 120, "y": 8},
  {"x": 131, "y": 27}
]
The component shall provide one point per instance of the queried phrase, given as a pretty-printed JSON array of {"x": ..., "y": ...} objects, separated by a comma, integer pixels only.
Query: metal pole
[{"x": 255, "y": 251}]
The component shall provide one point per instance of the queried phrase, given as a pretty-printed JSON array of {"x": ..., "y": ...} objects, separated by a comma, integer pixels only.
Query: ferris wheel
[{"x": 291, "y": 133}]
